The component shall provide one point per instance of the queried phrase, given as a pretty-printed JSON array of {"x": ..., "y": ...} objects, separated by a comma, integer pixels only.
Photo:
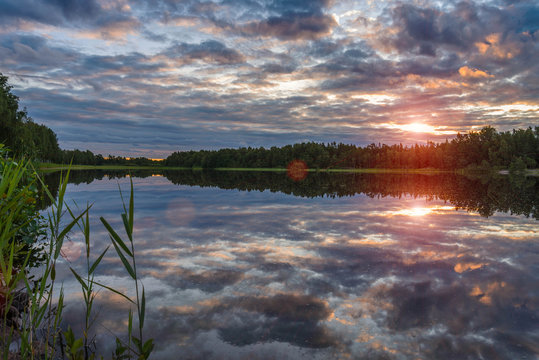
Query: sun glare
[
  {"x": 421, "y": 211},
  {"x": 419, "y": 128},
  {"x": 416, "y": 211}
]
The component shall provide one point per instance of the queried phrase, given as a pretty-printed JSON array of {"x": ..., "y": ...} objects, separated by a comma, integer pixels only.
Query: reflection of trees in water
[
  {"x": 52, "y": 180},
  {"x": 516, "y": 195}
]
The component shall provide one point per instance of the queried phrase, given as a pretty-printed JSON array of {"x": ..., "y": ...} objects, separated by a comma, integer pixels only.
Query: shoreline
[
  {"x": 426, "y": 171},
  {"x": 60, "y": 167}
]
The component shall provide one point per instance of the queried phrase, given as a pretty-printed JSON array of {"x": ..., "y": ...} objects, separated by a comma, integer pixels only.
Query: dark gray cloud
[
  {"x": 297, "y": 6},
  {"x": 77, "y": 9},
  {"x": 111, "y": 20},
  {"x": 52, "y": 12},
  {"x": 288, "y": 20},
  {"x": 32, "y": 53},
  {"x": 272, "y": 68},
  {"x": 291, "y": 26},
  {"x": 291, "y": 318},
  {"x": 208, "y": 281},
  {"x": 323, "y": 48},
  {"x": 422, "y": 30},
  {"x": 210, "y": 51}
]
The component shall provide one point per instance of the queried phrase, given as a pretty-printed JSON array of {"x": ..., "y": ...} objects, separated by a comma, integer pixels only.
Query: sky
[{"x": 146, "y": 78}]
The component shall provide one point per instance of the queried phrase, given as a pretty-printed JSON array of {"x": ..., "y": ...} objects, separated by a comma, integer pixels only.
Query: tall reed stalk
[{"x": 127, "y": 256}]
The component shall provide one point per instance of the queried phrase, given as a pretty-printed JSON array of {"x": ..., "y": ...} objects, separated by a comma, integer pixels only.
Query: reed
[
  {"x": 31, "y": 309},
  {"x": 126, "y": 254}
]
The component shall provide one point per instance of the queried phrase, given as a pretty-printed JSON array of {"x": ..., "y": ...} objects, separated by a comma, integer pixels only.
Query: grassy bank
[{"x": 57, "y": 167}]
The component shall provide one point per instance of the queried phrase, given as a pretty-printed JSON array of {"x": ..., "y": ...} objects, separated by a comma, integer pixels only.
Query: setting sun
[{"x": 419, "y": 128}]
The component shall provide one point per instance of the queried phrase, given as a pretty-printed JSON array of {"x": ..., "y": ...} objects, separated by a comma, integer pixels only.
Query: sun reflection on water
[{"x": 418, "y": 211}]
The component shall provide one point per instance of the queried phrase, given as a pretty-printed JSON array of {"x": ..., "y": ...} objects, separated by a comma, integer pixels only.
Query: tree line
[
  {"x": 517, "y": 149},
  {"x": 484, "y": 148}
]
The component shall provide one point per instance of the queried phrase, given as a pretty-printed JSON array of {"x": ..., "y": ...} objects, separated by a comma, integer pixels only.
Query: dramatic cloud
[
  {"x": 210, "y": 51},
  {"x": 149, "y": 78},
  {"x": 96, "y": 19},
  {"x": 50, "y": 11},
  {"x": 292, "y": 26}
]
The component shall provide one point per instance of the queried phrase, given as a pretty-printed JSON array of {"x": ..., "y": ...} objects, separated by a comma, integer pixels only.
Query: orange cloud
[
  {"x": 184, "y": 21},
  {"x": 492, "y": 289},
  {"x": 466, "y": 71},
  {"x": 115, "y": 31},
  {"x": 433, "y": 83},
  {"x": 462, "y": 267},
  {"x": 492, "y": 46}
]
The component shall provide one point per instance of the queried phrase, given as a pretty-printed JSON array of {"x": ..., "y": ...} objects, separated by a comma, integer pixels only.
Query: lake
[{"x": 255, "y": 265}]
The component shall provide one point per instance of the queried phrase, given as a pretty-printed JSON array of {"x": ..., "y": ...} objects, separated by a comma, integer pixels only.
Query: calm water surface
[{"x": 341, "y": 266}]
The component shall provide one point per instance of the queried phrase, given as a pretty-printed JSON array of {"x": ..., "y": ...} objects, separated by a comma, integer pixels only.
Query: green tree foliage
[
  {"x": 517, "y": 165},
  {"x": 485, "y": 148},
  {"x": 19, "y": 133}
]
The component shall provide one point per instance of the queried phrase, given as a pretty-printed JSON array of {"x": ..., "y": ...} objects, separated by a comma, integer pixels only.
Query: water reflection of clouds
[
  {"x": 180, "y": 212},
  {"x": 269, "y": 274}
]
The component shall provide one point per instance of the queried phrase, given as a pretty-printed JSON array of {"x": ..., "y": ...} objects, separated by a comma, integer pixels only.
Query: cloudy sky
[{"x": 145, "y": 78}]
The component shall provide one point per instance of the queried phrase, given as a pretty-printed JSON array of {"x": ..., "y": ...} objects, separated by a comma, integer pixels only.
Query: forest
[
  {"x": 483, "y": 149},
  {"x": 517, "y": 149}
]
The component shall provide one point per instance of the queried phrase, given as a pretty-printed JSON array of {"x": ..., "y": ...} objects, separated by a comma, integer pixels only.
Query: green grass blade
[
  {"x": 60, "y": 238},
  {"x": 63, "y": 186},
  {"x": 94, "y": 265},
  {"x": 79, "y": 279},
  {"x": 126, "y": 226},
  {"x": 115, "y": 237},
  {"x": 113, "y": 290},
  {"x": 122, "y": 197},
  {"x": 46, "y": 189},
  {"x": 142, "y": 308},
  {"x": 131, "y": 208},
  {"x": 86, "y": 224},
  {"x": 147, "y": 347},
  {"x": 126, "y": 263},
  {"x": 130, "y": 326}
]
